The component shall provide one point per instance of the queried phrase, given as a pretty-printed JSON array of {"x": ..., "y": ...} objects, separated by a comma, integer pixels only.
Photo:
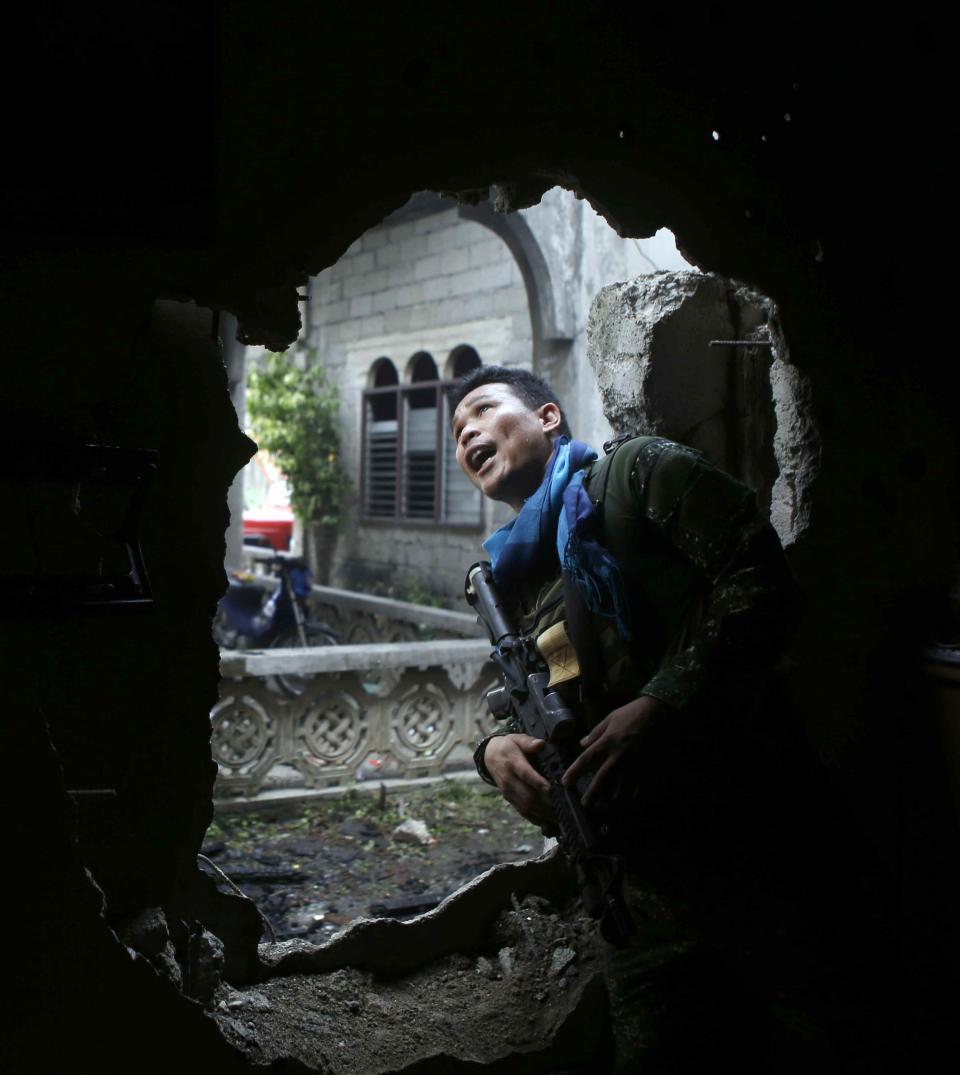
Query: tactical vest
[{"x": 666, "y": 580}]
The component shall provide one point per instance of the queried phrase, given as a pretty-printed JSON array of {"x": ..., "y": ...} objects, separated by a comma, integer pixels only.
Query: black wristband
[{"x": 479, "y": 762}]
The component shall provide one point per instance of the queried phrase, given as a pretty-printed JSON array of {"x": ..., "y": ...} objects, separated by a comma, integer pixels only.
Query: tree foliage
[{"x": 295, "y": 416}]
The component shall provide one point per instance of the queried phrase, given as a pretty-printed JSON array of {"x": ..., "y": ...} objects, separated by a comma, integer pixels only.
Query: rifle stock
[{"x": 542, "y": 713}]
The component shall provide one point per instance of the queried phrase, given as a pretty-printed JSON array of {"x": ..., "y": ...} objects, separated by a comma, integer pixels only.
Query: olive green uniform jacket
[{"x": 712, "y": 600}]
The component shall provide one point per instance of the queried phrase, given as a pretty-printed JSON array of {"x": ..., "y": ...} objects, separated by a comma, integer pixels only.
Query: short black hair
[{"x": 531, "y": 390}]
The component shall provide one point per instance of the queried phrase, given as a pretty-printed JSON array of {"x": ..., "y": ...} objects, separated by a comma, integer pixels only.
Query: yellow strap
[{"x": 556, "y": 649}]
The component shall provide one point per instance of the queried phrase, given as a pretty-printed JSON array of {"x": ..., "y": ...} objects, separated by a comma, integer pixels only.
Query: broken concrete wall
[
  {"x": 668, "y": 353},
  {"x": 582, "y": 254},
  {"x": 106, "y": 735}
]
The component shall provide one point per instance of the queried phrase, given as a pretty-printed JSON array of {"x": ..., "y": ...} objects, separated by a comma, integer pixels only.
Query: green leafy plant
[{"x": 295, "y": 416}]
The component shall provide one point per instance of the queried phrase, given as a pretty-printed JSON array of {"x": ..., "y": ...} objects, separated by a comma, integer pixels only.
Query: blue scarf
[{"x": 561, "y": 516}]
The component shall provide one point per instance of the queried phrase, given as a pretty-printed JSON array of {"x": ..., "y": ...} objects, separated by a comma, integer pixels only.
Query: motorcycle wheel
[{"x": 294, "y": 685}]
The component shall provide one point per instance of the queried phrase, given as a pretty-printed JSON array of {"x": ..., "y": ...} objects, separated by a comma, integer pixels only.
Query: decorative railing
[
  {"x": 360, "y": 617},
  {"x": 417, "y": 705}
]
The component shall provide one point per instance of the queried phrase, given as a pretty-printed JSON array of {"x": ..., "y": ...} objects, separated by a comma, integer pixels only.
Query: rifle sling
[{"x": 581, "y": 626}]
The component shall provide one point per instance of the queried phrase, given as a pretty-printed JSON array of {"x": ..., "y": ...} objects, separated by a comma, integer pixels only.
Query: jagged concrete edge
[{"x": 457, "y": 924}]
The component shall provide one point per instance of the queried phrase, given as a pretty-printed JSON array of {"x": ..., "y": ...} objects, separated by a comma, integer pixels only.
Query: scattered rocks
[
  {"x": 439, "y": 1013},
  {"x": 310, "y": 917},
  {"x": 561, "y": 959},
  {"x": 232, "y": 999},
  {"x": 353, "y": 826},
  {"x": 236, "y": 1030},
  {"x": 505, "y": 958},
  {"x": 485, "y": 968},
  {"x": 412, "y": 831},
  {"x": 341, "y": 850},
  {"x": 205, "y": 966}
]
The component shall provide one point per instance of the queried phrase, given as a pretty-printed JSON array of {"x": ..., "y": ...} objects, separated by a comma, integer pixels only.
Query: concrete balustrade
[{"x": 415, "y": 704}]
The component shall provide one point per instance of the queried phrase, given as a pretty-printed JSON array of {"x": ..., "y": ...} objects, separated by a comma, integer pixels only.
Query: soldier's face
[{"x": 502, "y": 445}]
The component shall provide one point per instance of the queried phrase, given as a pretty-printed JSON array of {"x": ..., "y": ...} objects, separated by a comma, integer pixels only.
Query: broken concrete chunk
[
  {"x": 505, "y": 957},
  {"x": 165, "y": 961},
  {"x": 229, "y": 1024},
  {"x": 252, "y": 1000},
  {"x": 485, "y": 968},
  {"x": 206, "y": 966},
  {"x": 676, "y": 353},
  {"x": 257, "y": 1001},
  {"x": 562, "y": 958},
  {"x": 145, "y": 932},
  {"x": 412, "y": 831}
]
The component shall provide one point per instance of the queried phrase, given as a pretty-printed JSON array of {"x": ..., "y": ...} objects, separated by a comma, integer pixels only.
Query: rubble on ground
[{"x": 444, "y": 992}]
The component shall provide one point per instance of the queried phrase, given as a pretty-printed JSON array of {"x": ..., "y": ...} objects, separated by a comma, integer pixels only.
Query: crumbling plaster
[
  {"x": 164, "y": 156},
  {"x": 671, "y": 355}
]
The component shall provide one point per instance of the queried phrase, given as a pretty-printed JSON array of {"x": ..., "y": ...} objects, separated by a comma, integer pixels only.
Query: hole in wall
[
  {"x": 395, "y": 310},
  {"x": 346, "y": 818}
]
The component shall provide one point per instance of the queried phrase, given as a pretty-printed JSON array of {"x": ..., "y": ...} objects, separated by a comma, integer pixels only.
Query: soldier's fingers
[
  {"x": 599, "y": 777},
  {"x": 584, "y": 761},
  {"x": 528, "y": 744},
  {"x": 594, "y": 734},
  {"x": 526, "y": 800},
  {"x": 526, "y": 774},
  {"x": 533, "y": 797},
  {"x": 532, "y": 809}
]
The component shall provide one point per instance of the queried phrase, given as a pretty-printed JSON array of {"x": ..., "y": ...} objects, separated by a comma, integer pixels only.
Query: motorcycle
[{"x": 260, "y": 613}]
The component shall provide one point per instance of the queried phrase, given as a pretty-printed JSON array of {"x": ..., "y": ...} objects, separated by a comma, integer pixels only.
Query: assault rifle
[{"x": 542, "y": 713}]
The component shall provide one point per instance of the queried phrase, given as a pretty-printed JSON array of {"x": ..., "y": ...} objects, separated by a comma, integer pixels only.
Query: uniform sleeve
[{"x": 750, "y": 600}]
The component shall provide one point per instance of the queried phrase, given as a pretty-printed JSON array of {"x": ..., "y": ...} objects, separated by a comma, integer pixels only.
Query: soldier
[{"x": 673, "y": 591}]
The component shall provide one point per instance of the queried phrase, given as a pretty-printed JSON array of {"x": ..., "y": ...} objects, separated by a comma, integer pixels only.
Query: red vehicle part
[{"x": 273, "y": 524}]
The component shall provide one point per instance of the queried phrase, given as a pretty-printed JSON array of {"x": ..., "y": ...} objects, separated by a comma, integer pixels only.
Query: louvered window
[{"x": 410, "y": 471}]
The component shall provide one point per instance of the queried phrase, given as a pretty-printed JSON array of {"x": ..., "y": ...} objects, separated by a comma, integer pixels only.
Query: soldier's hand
[
  {"x": 507, "y": 758},
  {"x": 607, "y": 743}
]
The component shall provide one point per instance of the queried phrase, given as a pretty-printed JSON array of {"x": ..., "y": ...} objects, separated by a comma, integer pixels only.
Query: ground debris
[
  {"x": 505, "y": 959},
  {"x": 485, "y": 968},
  {"x": 227, "y": 998},
  {"x": 499, "y": 1007},
  {"x": 560, "y": 960},
  {"x": 341, "y": 852},
  {"x": 413, "y": 831}
]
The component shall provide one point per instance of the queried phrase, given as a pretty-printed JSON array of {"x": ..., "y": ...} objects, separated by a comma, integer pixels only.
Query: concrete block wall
[
  {"x": 747, "y": 409},
  {"x": 428, "y": 284}
]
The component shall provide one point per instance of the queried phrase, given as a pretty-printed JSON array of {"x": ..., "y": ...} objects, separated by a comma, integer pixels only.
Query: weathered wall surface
[
  {"x": 430, "y": 284},
  {"x": 654, "y": 345},
  {"x": 165, "y": 157},
  {"x": 583, "y": 254}
]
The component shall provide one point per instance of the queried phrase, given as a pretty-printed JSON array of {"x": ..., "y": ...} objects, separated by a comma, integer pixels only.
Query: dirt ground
[
  {"x": 313, "y": 869},
  {"x": 527, "y": 998},
  {"x": 530, "y": 1001}
]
